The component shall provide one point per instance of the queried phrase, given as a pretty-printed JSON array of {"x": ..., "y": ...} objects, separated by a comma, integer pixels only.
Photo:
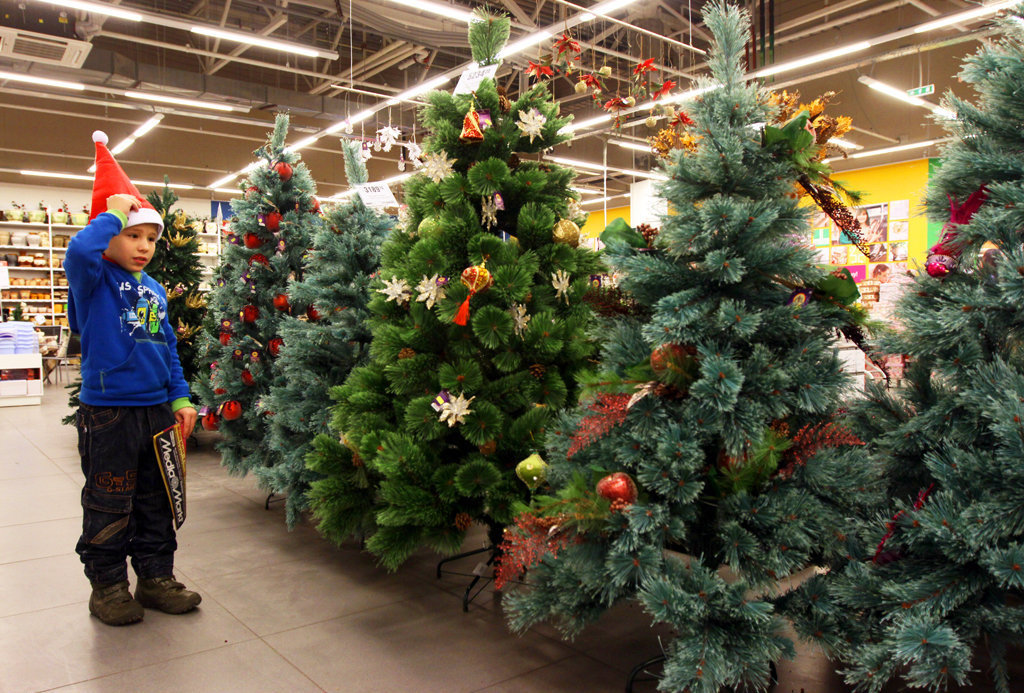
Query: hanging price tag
[
  {"x": 470, "y": 79},
  {"x": 376, "y": 195}
]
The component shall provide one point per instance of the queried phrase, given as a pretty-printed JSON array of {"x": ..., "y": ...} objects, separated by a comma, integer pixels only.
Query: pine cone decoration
[
  {"x": 619, "y": 505},
  {"x": 514, "y": 161},
  {"x": 489, "y": 447},
  {"x": 538, "y": 370},
  {"x": 406, "y": 353},
  {"x": 463, "y": 521},
  {"x": 649, "y": 233},
  {"x": 503, "y": 101}
]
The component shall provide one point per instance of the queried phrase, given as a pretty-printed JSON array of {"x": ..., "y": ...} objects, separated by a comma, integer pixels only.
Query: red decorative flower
[
  {"x": 591, "y": 81},
  {"x": 567, "y": 44},
  {"x": 615, "y": 104},
  {"x": 681, "y": 119},
  {"x": 539, "y": 71},
  {"x": 645, "y": 66},
  {"x": 666, "y": 86}
]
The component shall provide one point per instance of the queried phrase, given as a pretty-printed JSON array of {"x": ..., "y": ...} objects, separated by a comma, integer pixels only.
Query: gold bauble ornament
[
  {"x": 581, "y": 87},
  {"x": 429, "y": 227},
  {"x": 651, "y": 122},
  {"x": 567, "y": 232}
]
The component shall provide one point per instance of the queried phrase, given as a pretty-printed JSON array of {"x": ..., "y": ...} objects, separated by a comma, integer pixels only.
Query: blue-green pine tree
[
  {"x": 319, "y": 354},
  {"x": 743, "y": 477},
  {"x": 935, "y": 586},
  {"x": 275, "y": 221}
]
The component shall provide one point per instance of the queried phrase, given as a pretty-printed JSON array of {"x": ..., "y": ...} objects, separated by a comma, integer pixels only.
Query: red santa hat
[{"x": 111, "y": 180}]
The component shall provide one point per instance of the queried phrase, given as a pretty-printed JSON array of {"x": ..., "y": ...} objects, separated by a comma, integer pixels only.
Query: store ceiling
[{"x": 385, "y": 47}]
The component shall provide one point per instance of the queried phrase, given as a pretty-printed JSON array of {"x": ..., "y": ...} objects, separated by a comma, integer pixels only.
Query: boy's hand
[
  {"x": 122, "y": 203},
  {"x": 186, "y": 418}
]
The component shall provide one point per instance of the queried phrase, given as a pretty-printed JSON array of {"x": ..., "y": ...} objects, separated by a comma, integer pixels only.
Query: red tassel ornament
[{"x": 477, "y": 278}]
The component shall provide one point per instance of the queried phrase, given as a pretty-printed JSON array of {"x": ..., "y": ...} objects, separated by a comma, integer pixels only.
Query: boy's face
[{"x": 133, "y": 248}]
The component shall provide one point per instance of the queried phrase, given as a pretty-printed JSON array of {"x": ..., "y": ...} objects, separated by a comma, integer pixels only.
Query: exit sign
[{"x": 922, "y": 91}]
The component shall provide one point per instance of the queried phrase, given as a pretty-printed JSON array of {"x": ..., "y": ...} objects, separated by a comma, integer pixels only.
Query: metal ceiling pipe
[{"x": 355, "y": 69}]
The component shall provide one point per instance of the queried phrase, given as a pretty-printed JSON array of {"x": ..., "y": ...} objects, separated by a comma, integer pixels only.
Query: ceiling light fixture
[
  {"x": 812, "y": 59},
  {"x": 632, "y": 145},
  {"x": 845, "y": 144},
  {"x": 261, "y": 41},
  {"x": 599, "y": 168},
  {"x": 78, "y": 176},
  {"x": 965, "y": 16},
  {"x": 215, "y": 185},
  {"x": 451, "y": 11},
  {"x": 303, "y": 143},
  {"x": 897, "y": 148},
  {"x": 96, "y": 7},
  {"x": 130, "y": 139},
  {"x": 42, "y": 81},
  {"x": 522, "y": 44},
  {"x": 194, "y": 103},
  {"x": 603, "y": 199},
  {"x": 419, "y": 89},
  {"x": 901, "y": 95}
]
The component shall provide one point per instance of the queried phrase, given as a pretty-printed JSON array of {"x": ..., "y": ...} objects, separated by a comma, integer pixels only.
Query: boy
[{"x": 132, "y": 388}]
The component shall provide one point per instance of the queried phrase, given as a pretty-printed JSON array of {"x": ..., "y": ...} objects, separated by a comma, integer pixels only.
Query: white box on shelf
[
  {"x": 13, "y": 388},
  {"x": 34, "y": 387}
]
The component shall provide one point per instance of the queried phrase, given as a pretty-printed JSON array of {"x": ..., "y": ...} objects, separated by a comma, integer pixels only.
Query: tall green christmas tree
[
  {"x": 935, "y": 587},
  {"x": 319, "y": 354},
  {"x": 176, "y": 266},
  {"x": 706, "y": 466},
  {"x": 274, "y": 223},
  {"x": 478, "y": 327}
]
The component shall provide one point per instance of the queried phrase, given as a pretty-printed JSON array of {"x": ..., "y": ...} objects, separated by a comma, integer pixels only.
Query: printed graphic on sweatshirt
[{"x": 142, "y": 312}]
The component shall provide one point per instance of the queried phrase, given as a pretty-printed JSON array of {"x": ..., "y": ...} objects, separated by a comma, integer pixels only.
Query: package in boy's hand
[{"x": 170, "y": 456}]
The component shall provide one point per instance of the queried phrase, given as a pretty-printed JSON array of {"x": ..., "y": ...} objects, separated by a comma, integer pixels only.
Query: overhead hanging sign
[
  {"x": 922, "y": 91},
  {"x": 470, "y": 79},
  {"x": 376, "y": 195}
]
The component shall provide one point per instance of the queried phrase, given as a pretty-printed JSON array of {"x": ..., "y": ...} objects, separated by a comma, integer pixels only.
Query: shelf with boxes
[{"x": 34, "y": 254}]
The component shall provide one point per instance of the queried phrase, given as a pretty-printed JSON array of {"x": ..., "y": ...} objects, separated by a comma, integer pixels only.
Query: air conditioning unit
[{"x": 42, "y": 48}]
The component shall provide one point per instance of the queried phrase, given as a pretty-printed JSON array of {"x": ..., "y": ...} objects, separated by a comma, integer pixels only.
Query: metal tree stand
[{"x": 494, "y": 534}]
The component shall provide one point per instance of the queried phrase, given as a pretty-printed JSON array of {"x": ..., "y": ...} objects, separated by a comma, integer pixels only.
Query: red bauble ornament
[
  {"x": 617, "y": 487},
  {"x": 250, "y": 313},
  {"x": 316, "y": 206},
  {"x": 312, "y": 313},
  {"x": 260, "y": 258},
  {"x": 225, "y": 338},
  {"x": 284, "y": 170},
  {"x": 281, "y": 302},
  {"x": 210, "y": 422},
  {"x": 252, "y": 241},
  {"x": 220, "y": 391},
  {"x": 275, "y": 345},
  {"x": 231, "y": 410},
  {"x": 272, "y": 221},
  {"x": 247, "y": 378},
  {"x": 675, "y": 364}
]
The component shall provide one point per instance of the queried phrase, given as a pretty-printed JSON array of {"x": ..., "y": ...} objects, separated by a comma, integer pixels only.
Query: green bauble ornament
[
  {"x": 430, "y": 226},
  {"x": 533, "y": 471}
]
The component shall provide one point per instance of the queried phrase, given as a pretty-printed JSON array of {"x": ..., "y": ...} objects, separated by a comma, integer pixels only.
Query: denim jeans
[{"x": 124, "y": 502}]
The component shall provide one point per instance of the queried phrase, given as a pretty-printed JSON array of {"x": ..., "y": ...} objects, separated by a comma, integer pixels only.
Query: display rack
[{"x": 19, "y": 392}]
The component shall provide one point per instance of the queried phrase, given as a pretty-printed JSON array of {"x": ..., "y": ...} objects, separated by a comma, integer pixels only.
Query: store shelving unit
[{"x": 24, "y": 391}]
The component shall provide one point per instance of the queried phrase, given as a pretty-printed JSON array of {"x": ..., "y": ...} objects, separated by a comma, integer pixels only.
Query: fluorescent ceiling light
[
  {"x": 419, "y": 89},
  {"x": 229, "y": 191},
  {"x": 396, "y": 179},
  {"x": 901, "y": 95},
  {"x": 965, "y": 16},
  {"x": 812, "y": 59},
  {"x": 522, "y": 44},
  {"x": 96, "y": 7},
  {"x": 194, "y": 103},
  {"x": 605, "y": 8},
  {"x": 897, "y": 148},
  {"x": 450, "y": 11},
  {"x": 584, "y": 124},
  {"x": 179, "y": 186},
  {"x": 845, "y": 144},
  {"x": 42, "y": 81},
  {"x": 352, "y": 120},
  {"x": 576, "y": 163},
  {"x": 215, "y": 185},
  {"x": 261, "y": 41},
  {"x": 302, "y": 144},
  {"x": 52, "y": 174},
  {"x": 130, "y": 140},
  {"x": 632, "y": 145}
]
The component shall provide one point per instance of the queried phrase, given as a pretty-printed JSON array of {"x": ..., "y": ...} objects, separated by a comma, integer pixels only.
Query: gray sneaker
[
  {"x": 113, "y": 604},
  {"x": 166, "y": 594}
]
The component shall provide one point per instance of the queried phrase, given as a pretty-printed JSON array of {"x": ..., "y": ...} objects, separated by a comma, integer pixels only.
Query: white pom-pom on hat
[{"x": 100, "y": 137}]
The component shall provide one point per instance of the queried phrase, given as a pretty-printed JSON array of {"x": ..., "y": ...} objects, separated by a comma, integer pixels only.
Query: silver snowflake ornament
[
  {"x": 437, "y": 166},
  {"x": 488, "y": 212},
  {"x": 430, "y": 290},
  {"x": 455, "y": 410},
  {"x": 519, "y": 318},
  {"x": 396, "y": 290},
  {"x": 561, "y": 280},
  {"x": 531, "y": 122}
]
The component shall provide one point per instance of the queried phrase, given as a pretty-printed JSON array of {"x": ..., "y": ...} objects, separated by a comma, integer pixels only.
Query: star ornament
[
  {"x": 530, "y": 123},
  {"x": 430, "y": 290},
  {"x": 455, "y": 410},
  {"x": 438, "y": 166},
  {"x": 561, "y": 280},
  {"x": 396, "y": 290}
]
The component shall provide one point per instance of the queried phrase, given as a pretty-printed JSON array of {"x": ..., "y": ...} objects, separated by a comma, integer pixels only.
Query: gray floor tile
[{"x": 39, "y": 539}]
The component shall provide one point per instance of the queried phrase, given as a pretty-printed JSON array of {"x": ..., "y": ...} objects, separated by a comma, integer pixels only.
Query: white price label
[
  {"x": 376, "y": 195},
  {"x": 470, "y": 79}
]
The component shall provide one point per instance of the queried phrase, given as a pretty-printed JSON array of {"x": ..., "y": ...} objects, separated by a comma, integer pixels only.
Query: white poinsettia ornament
[
  {"x": 531, "y": 122},
  {"x": 520, "y": 319},
  {"x": 575, "y": 209},
  {"x": 456, "y": 409},
  {"x": 387, "y": 136},
  {"x": 437, "y": 166},
  {"x": 561, "y": 280},
  {"x": 396, "y": 290},
  {"x": 431, "y": 289}
]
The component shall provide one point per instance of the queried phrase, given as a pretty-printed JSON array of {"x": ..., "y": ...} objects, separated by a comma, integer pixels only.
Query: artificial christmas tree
[
  {"x": 278, "y": 208},
  {"x": 318, "y": 354},
  {"x": 478, "y": 328},
  {"x": 706, "y": 466},
  {"x": 176, "y": 266},
  {"x": 934, "y": 586}
]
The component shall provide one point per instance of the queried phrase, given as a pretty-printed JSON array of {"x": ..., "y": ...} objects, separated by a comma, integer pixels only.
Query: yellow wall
[
  {"x": 884, "y": 185},
  {"x": 597, "y": 220}
]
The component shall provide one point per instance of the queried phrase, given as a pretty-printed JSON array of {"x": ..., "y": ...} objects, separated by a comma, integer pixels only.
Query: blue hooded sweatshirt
[{"x": 129, "y": 350}]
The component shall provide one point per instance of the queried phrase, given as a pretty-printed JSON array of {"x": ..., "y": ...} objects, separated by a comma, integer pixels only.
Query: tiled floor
[{"x": 282, "y": 611}]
